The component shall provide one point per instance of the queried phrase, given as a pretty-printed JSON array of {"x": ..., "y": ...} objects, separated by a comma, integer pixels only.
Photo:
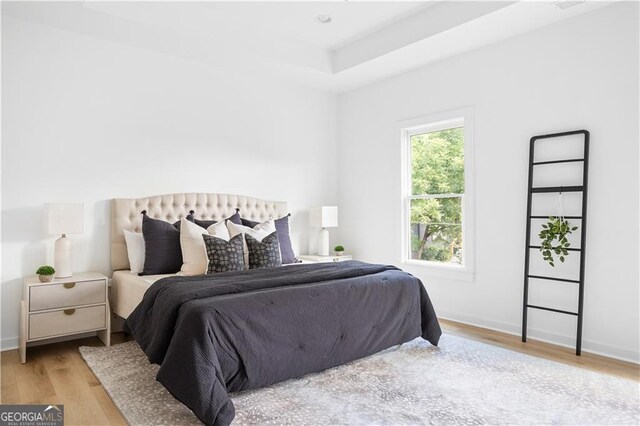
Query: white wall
[
  {"x": 580, "y": 73},
  {"x": 86, "y": 120}
]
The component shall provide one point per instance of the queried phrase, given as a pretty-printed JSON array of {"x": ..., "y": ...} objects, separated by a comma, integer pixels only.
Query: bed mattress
[{"x": 128, "y": 288}]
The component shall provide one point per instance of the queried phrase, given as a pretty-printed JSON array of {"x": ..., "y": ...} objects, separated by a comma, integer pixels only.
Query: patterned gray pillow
[
  {"x": 265, "y": 253},
  {"x": 224, "y": 255}
]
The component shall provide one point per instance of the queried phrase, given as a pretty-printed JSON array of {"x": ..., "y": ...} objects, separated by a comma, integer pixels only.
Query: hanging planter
[{"x": 554, "y": 239}]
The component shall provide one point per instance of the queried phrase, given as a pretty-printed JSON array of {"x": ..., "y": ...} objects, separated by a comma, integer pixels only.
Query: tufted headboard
[{"x": 125, "y": 214}]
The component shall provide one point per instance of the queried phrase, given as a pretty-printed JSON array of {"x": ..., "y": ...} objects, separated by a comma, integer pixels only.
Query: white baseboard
[
  {"x": 9, "y": 343},
  {"x": 609, "y": 351}
]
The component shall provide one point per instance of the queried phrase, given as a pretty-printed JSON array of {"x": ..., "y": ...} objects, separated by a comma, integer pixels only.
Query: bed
[{"x": 232, "y": 331}]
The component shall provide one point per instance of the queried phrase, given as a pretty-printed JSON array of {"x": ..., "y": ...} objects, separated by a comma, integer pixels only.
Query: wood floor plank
[
  {"x": 8, "y": 362},
  {"x": 33, "y": 380},
  {"x": 9, "y": 394},
  {"x": 81, "y": 407}
]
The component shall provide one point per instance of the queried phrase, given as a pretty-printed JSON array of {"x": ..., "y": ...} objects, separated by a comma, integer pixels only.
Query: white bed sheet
[{"x": 128, "y": 288}]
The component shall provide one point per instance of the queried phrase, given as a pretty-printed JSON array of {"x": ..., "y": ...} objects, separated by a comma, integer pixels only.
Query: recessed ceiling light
[
  {"x": 324, "y": 19},
  {"x": 566, "y": 4}
]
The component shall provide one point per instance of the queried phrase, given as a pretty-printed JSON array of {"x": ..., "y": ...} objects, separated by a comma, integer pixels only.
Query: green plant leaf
[
  {"x": 556, "y": 229},
  {"x": 46, "y": 270}
]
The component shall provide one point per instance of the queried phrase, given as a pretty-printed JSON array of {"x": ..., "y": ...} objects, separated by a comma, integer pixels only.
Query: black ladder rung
[
  {"x": 561, "y": 134},
  {"x": 540, "y": 277},
  {"x": 547, "y": 217},
  {"x": 568, "y": 249},
  {"x": 572, "y": 160},
  {"x": 558, "y": 189},
  {"x": 560, "y": 311}
]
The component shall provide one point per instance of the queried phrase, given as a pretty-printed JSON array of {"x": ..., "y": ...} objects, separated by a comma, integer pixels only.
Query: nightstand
[
  {"x": 316, "y": 258},
  {"x": 64, "y": 307}
]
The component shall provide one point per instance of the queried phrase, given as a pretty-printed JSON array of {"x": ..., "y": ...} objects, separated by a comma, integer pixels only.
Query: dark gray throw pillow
[
  {"x": 265, "y": 253},
  {"x": 282, "y": 228},
  {"x": 235, "y": 218},
  {"x": 177, "y": 223},
  {"x": 224, "y": 255},
  {"x": 200, "y": 222},
  {"x": 163, "y": 254},
  {"x": 249, "y": 223}
]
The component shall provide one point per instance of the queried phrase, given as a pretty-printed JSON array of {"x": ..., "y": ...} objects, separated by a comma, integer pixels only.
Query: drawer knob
[
  {"x": 69, "y": 311},
  {"x": 69, "y": 285}
]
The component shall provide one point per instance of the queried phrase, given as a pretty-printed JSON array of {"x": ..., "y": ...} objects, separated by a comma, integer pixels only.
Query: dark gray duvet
[{"x": 233, "y": 331}]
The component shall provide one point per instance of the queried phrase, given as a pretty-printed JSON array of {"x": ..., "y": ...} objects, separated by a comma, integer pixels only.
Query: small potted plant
[
  {"x": 339, "y": 250},
  {"x": 45, "y": 273}
]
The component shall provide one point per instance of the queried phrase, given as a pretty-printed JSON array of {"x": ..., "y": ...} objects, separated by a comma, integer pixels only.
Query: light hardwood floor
[
  {"x": 601, "y": 364},
  {"x": 56, "y": 374}
]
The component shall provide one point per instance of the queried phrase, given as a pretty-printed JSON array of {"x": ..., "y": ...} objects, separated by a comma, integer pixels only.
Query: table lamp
[
  {"x": 63, "y": 219},
  {"x": 324, "y": 217}
]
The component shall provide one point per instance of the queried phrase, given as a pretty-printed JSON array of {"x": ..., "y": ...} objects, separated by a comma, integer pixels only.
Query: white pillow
[
  {"x": 218, "y": 230},
  {"x": 135, "y": 250},
  {"x": 258, "y": 232},
  {"x": 194, "y": 252}
]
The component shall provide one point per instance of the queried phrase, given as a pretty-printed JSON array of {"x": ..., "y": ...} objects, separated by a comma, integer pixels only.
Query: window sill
[{"x": 434, "y": 269}]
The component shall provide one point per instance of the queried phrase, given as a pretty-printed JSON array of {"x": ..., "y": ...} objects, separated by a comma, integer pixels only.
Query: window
[{"x": 436, "y": 199}]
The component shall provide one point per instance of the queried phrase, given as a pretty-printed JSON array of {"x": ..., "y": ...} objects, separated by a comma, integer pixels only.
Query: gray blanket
[{"x": 233, "y": 331}]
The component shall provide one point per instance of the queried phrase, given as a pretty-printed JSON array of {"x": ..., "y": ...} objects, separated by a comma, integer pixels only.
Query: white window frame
[{"x": 434, "y": 123}]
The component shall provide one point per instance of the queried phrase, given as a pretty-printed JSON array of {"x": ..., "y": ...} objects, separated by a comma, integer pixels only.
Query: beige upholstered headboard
[{"x": 125, "y": 214}]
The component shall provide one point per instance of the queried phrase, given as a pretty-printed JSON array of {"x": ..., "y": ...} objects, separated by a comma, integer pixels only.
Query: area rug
[{"x": 461, "y": 382}]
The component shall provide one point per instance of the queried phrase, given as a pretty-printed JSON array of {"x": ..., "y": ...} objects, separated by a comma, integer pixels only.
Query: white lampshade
[
  {"x": 324, "y": 217},
  {"x": 64, "y": 218}
]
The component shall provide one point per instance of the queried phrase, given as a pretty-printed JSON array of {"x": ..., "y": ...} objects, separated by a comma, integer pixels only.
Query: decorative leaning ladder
[{"x": 583, "y": 218}]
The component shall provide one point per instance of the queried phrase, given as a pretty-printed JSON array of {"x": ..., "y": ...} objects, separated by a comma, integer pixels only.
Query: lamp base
[
  {"x": 323, "y": 242},
  {"x": 62, "y": 257}
]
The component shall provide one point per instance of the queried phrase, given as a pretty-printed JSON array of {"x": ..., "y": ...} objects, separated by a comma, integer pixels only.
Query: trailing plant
[
  {"x": 338, "y": 248},
  {"x": 46, "y": 270},
  {"x": 556, "y": 229}
]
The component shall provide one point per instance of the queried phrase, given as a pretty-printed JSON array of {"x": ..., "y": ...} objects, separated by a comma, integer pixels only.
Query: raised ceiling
[
  {"x": 365, "y": 42},
  {"x": 296, "y": 21}
]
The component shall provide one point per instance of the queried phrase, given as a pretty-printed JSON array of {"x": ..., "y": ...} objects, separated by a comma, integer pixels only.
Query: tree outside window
[{"x": 437, "y": 194}]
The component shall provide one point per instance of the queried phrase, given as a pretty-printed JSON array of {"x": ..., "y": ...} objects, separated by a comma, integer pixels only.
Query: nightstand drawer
[
  {"x": 69, "y": 294},
  {"x": 67, "y": 321}
]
